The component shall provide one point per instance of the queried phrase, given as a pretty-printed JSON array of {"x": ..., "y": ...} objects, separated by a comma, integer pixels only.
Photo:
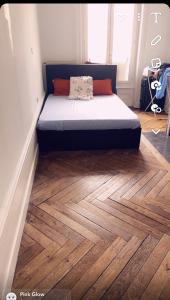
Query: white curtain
[{"x": 110, "y": 34}]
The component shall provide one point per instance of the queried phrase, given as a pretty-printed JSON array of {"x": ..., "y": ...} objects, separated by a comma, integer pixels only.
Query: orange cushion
[
  {"x": 102, "y": 87},
  {"x": 61, "y": 87}
]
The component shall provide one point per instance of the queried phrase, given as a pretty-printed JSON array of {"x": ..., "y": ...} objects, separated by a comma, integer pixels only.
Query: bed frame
[{"x": 84, "y": 139}]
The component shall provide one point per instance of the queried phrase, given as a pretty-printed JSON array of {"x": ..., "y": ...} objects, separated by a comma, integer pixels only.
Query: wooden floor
[
  {"x": 98, "y": 227},
  {"x": 150, "y": 121}
]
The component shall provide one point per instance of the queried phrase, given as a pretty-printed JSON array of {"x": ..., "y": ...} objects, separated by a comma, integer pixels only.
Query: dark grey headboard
[{"x": 65, "y": 71}]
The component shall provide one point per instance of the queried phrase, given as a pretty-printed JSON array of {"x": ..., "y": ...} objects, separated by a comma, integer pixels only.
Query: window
[{"x": 110, "y": 34}]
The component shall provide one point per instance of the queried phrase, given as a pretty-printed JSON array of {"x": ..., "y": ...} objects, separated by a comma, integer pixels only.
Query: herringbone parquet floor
[{"x": 98, "y": 227}]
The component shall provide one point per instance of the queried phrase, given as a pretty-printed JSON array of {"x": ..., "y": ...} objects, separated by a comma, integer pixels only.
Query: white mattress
[{"x": 102, "y": 112}]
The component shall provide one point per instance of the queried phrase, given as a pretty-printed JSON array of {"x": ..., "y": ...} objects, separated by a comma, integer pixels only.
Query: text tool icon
[
  {"x": 155, "y": 85},
  {"x": 155, "y": 62},
  {"x": 156, "y": 40},
  {"x": 156, "y": 14}
]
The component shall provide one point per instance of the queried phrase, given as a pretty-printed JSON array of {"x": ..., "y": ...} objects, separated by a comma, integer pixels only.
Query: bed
[{"x": 104, "y": 122}]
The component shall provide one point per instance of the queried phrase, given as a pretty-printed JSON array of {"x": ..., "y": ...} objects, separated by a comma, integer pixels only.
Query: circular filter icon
[{"x": 11, "y": 296}]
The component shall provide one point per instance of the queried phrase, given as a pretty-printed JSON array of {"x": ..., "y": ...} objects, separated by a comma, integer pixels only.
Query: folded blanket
[{"x": 164, "y": 82}]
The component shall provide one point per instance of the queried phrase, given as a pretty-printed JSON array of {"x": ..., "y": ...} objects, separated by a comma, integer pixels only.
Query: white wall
[
  {"x": 20, "y": 86},
  {"x": 21, "y": 95},
  {"x": 59, "y": 28}
]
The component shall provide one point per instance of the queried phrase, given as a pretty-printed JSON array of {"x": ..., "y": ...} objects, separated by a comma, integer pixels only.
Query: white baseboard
[
  {"x": 14, "y": 225},
  {"x": 16, "y": 209}
]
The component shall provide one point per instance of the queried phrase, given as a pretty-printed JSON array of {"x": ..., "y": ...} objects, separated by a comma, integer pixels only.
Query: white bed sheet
[{"x": 102, "y": 112}]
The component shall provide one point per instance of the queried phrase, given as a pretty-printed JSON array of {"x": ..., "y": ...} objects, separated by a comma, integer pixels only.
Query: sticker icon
[
  {"x": 155, "y": 108},
  {"x": 155, "y": 85},
  {"x": 156, "y": 40},
  {"x": 11, "y": 296},
  {"x": 155, "y": 62},
  {"x": 156, "y": 15}
]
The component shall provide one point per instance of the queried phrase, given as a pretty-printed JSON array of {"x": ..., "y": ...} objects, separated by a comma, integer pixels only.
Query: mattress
[{"x": 102, "y": 112}]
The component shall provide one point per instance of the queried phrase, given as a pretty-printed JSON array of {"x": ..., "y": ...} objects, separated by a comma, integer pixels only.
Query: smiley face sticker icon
[{"x": 11, "y": 296}]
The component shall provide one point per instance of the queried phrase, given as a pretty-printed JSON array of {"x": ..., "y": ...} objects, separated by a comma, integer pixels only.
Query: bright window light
[
  {"x": 122, "y": 38},
  {"x": 110, "y": 34},
  {"x": 97, "y": 32}
]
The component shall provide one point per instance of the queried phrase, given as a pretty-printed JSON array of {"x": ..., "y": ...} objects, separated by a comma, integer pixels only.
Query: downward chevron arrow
[{"x": 155, "y": 131}]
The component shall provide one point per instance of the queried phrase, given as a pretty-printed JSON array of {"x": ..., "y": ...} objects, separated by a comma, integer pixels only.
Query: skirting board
[
  {"x": 14, "y": 214},
  {"x": 14, "y": 224}
]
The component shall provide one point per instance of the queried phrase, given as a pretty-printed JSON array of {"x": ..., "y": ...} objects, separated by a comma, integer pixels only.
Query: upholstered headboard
[{"x": 65, "y": 71}]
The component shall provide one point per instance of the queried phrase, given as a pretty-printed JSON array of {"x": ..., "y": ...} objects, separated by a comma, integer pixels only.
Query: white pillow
[{"x": 81, "y": 88}]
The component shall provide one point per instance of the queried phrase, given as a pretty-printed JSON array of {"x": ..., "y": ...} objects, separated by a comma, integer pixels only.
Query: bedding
[
  {"x": 81, "y": 88},
  {"x": 100, "y": 113},
  {"x": 104, "y": 122},
  {"x": 61, "y": 87},
  {"x": 102, "y": 87}
]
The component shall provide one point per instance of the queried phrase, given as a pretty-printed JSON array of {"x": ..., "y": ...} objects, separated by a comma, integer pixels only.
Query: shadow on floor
[{"x": 161, "y": 142}]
